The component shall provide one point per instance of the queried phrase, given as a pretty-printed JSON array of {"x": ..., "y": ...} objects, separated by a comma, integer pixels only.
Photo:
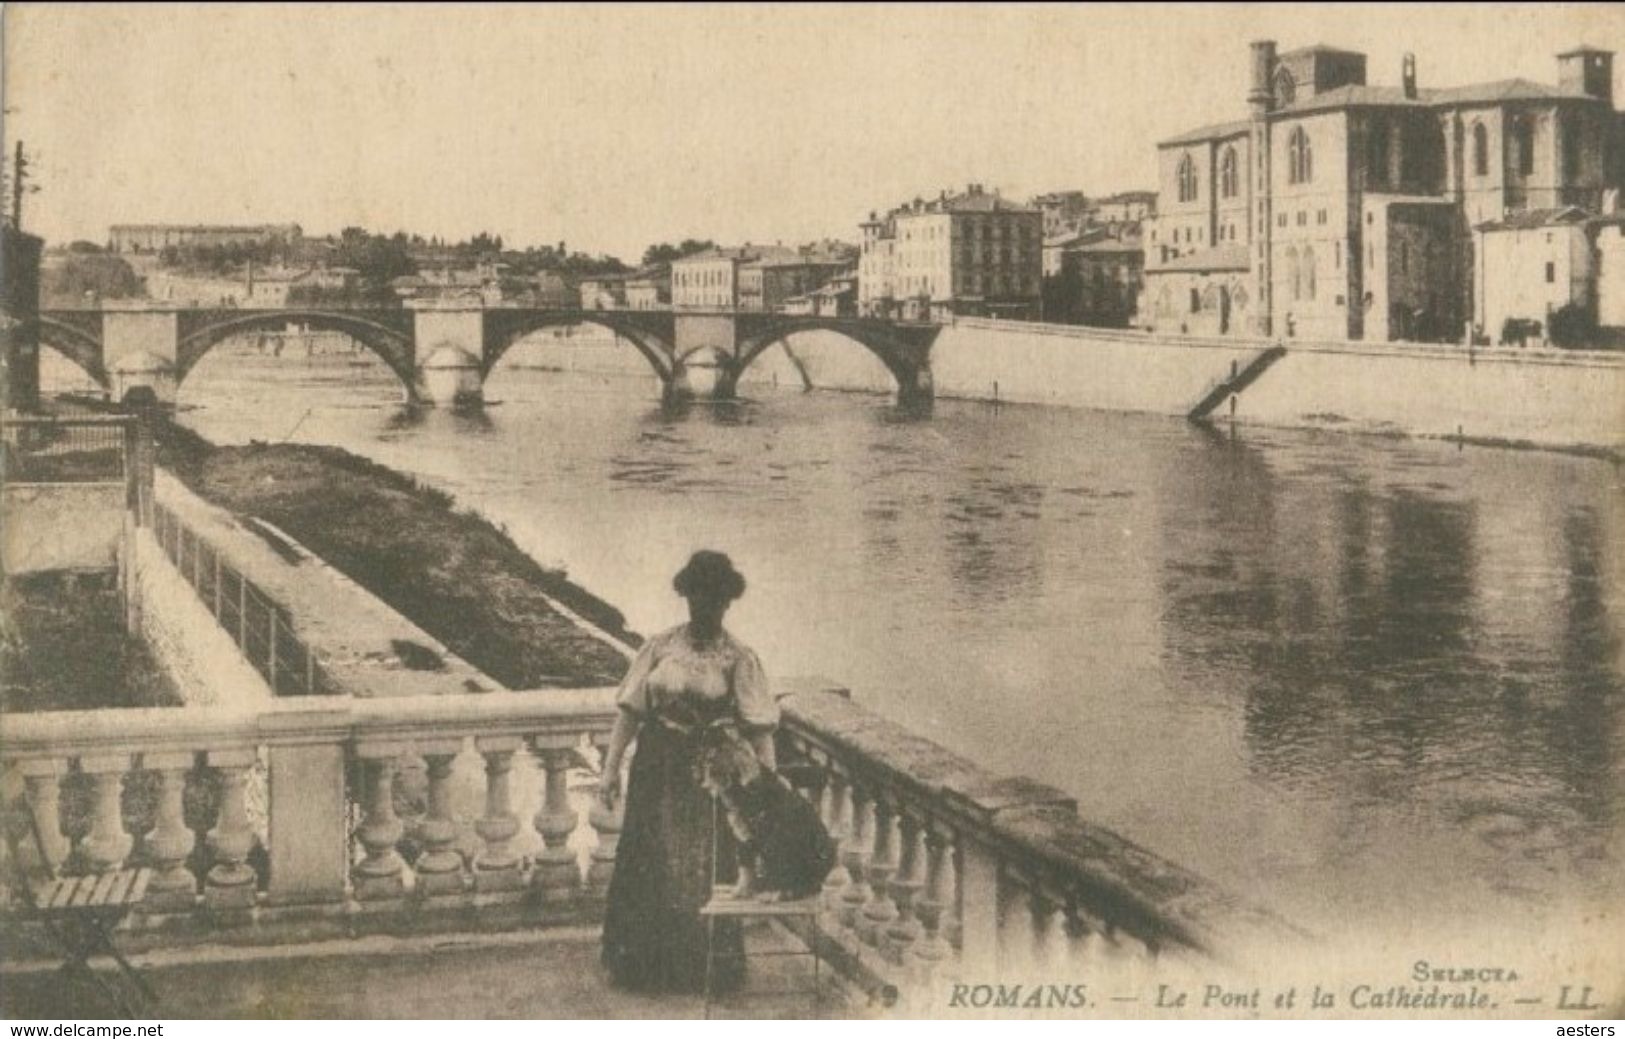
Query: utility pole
[{"x": 19, "y": 184}]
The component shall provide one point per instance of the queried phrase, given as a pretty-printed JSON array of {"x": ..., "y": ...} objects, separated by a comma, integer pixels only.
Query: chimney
[
  {"x": 1262, "y": 94},
  {"x": 1407, "y": 76},
  {"x": 1587, "y": 70}
]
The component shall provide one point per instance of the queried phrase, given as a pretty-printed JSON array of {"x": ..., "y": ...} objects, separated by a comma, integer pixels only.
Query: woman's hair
[{"x": 709, "y": 574}]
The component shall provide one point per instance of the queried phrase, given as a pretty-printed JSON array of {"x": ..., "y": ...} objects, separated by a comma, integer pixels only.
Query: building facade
[
  {"x": 973, "y": 254},
  {"x": 1346, "y": 211},
  {"x": 151, "y": 238},
  {"x": 708, "y": 280},
  {"x": 1124, "y": 207}
]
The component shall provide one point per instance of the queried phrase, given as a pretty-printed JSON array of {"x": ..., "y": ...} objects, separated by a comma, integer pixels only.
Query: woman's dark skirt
[{"x": 654, "y": 938}]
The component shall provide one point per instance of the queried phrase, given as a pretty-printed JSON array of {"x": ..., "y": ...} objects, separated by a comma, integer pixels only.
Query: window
[
  {"x": 1481, "y": 150},
  {"x": 1196, "y": 301},
  {"x": 1551, "y": 272},
  {"x": 1303, "y": 218},
  {"x": 1227, "y": 173},
  {"x": 1309, "y": 272},
  {"x": 1187, "y": 180},
  {"x": 1379, "y": 152},
  {"x": 1524, "y": 136},
  {"x": 1285, "y": 89},
  {"x": 1293, "y": 273},
  {"x": 1571, "y": 148},
  {"x": 1300, "y": 158},
  {"x": 1320, "y": 217}
]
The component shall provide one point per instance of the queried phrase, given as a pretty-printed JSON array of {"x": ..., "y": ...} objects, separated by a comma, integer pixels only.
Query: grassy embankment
[{"x": 452, "y": 573}]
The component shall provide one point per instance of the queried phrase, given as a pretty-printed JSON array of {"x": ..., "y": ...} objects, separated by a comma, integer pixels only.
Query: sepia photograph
[{"x": 874, "y": 512}]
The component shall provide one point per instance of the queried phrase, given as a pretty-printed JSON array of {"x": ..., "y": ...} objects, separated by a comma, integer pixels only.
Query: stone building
[
  {"x": 1534, "y": 264},
  {"x": 709, "y": 280},
  {"x": 975, "y": 253},
  {"x": 1343, "y": 210},
  {"x": 150, "y": 238},
  {"x": 779, "y": 274},
  {"x": 1124, "y": 207},
  {"x": 1063, "y": 211},
  {"x": 649, "y": 289}
]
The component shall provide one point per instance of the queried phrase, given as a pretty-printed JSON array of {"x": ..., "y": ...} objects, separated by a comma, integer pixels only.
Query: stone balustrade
[
  {"x": 946, "y": 870},
  {"x": 408, "y": 804},
  {"x": 472, "y": 809}
]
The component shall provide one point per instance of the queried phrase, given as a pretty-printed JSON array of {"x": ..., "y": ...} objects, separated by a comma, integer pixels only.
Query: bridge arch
[
  {"x": 77, "y": 345},
  {"x": 392, "y": 346},
  {"x": 906, "y": 357},
  {"x": 505, "y": 328}
]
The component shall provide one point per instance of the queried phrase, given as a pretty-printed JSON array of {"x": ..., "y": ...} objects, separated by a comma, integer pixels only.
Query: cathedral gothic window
[
  {"x": 1227, "y": 173},
  {"x": 1300, "y": 158},
  {"x": 1481, "y": 150},
  {"x": 1187, "y": 180}
]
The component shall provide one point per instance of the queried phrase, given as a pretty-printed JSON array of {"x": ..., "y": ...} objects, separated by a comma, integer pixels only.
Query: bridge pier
[
  {"x": 143, "y": 369},
  {"x": 450, "y": 377}
]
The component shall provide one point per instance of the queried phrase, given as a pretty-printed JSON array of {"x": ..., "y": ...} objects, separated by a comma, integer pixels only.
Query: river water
[{"x": 1357, "y": 679}]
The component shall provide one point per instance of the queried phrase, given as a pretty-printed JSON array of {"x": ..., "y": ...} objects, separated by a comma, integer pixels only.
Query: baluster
[
  {"x": 557, "y": 875},
  {"x": 1046, "y": 925},
  {"x": 230, "y": 881},
  {"x": 905, "y": 886},
  {"x": 1081, "y": 938},
  {"x": 930, "y": 906},
  {"x": 880, "y": 910},
  {"x": 106, "y": 845},
  {"x": 170, "y": 843},
  {"x": 1020, "y": 912},
  {"x": 440, "y": 866},
  {"x": 381, "y": 873},
  {"x": 953, "y": 906},
  {"x": 607, "y": 823},
  {"x": 496, "y": 867},
  {"x": 43, "y": 782},
  {"x": 855, "y": 856},
  {"x": 836, "y": 812}
]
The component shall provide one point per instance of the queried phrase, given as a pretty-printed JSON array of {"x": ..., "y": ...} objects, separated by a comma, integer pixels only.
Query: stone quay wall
[{"x": 1566, "y": 399}]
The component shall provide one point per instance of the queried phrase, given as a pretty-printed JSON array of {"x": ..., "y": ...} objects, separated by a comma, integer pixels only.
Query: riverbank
[{"x": 450, "y": 571}]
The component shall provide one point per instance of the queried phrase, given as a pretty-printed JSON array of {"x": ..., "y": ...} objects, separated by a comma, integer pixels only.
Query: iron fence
[
  {"x": 69, "y": 450},
  {"x": 261, "y": 628}
]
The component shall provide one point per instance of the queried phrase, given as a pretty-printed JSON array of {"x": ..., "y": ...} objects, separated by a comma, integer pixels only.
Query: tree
[
  {"x": 664, "y": 253},
  {"x": 1063, "y": 297},
  {"x": 1572, "y": 326}
]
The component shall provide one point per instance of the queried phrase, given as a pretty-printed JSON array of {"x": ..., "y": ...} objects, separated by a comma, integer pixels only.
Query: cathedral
[{"x": 1339, "y": 210}]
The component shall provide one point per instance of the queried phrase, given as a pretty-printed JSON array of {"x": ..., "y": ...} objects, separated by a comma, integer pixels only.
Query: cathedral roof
[
  {"x": 1505, "y": 90},
  {"x": 1209, "y": 133}
]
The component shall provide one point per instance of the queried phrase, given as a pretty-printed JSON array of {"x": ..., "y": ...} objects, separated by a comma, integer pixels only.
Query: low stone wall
[
  {"x": 1546, "y": 397},
  {"x": 366, "y": 649},
  {"x": 205, "y": 665},
  {"x": 61, "y": 526}
]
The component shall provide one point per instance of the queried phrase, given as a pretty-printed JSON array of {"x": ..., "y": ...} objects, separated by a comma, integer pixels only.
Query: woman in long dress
[{"x": 683, "y": 680}]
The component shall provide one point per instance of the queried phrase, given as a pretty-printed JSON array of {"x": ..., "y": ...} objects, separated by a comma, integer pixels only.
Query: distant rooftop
[{"x": 1534, "y": 218}]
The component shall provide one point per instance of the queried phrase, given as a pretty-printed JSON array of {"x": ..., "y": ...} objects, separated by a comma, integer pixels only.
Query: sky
[{"x": 612, "y": 127}]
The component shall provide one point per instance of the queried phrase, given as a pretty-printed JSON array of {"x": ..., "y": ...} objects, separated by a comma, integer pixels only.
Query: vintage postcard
[{"x": 848, "y": 511}]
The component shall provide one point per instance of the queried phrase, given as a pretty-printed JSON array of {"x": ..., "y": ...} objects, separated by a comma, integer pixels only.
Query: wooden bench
[{"x": 78, "y": 915}]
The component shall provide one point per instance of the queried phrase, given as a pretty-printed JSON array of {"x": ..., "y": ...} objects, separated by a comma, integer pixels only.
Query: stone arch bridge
[{"x": 442, "y": 355}]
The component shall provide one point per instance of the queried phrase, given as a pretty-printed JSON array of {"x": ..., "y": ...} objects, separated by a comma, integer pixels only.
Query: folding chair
[
  {"x": 724, "y": 905},
  {"x": 78, "y": 916}
]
